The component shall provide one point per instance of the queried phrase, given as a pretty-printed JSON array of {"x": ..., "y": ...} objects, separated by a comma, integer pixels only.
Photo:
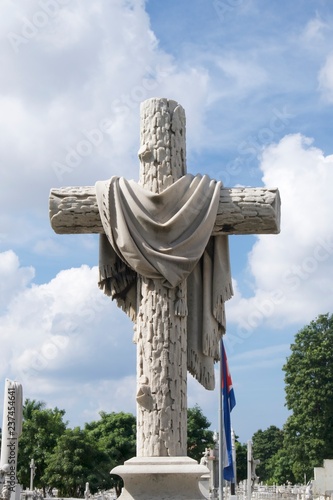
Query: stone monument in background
[
  {"x": 11, "y": 431},
  {"x": 164, "y": 258}
]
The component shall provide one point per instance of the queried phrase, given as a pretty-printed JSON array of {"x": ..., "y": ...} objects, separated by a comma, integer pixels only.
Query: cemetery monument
[
  {"x": 11, "y": 431},
  {"x": 164, "y": 258}
]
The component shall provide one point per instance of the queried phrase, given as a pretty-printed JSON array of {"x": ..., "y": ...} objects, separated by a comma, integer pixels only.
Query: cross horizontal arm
[{"x": 74, "y": 210}]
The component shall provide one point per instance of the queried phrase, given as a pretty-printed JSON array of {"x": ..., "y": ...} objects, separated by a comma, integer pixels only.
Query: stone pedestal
[{"x": 161, "y": 478}]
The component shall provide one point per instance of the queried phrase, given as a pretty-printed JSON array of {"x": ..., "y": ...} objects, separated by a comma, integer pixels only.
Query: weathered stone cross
[{"x": 160, "y": 333}]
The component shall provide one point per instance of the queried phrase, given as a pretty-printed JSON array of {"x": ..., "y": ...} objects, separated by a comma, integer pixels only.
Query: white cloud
[
  {"x": 292, "y": 271},
  {"x": 120, "y": 397},
  {"x": 70, "y": 101},
  {"x": 13, "y": 278},
  {"x": 63, "y": 332},
  {"x": 71, "y": 91},
  {"x": 241, "y": 74},
  {"x": 83, "y": 400},
  {"x": 71, "y": 347}
]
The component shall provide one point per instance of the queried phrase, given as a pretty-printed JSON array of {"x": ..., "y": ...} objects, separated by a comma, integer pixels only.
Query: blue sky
[{"x": 256, "y": 81}]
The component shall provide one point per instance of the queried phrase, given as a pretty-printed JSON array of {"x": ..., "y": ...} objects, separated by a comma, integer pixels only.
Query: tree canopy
[
  {"x": 306, "y": 439},
  {"x": 241, "y": 461},
  {"x": 68, "y": 458},
  {"x": 199, "y": 437},
  {"x": 41, "y": 430},
  {"x": 75, "y": 460},
  {"x": 115, "y": 435},
  {"x": 265, "y": 445},
  {"x": 309, "y": 395}
]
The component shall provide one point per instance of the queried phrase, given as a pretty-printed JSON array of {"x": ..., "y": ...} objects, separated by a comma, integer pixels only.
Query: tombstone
[
  {"x": 164, "y": 259},
  {"x": 209, "y": 483},
  {"x": 11, "y": 430},
  {"x": 252, "y": 463},
  {"x": 322, "y": 484},
  {"x": 87, "y": 493}
]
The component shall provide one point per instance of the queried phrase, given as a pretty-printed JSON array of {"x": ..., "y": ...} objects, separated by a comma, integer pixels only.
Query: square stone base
[{"x": 161, "y": 478}]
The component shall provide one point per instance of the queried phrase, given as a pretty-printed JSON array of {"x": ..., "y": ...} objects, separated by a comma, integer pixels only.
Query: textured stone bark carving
[
  {"x": 160, "y": 333},
  {"x": 241, "y": 211}
]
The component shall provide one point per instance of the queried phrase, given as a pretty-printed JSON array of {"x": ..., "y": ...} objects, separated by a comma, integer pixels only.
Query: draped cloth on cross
[{"x": 168, "y": 236}]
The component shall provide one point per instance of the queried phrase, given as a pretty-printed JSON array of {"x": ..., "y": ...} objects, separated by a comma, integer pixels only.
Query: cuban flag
[{"x": 228, "y": 403}]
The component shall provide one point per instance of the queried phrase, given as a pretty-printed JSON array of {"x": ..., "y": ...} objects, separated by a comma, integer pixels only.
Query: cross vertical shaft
[{"x": 161, "y": 320}]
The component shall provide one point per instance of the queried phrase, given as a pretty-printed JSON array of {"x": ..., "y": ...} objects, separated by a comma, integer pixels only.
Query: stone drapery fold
[{"x": 167, "y": 236}]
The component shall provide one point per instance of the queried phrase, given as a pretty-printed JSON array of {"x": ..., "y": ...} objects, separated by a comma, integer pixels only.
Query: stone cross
[{"x": 160, "y": 333}]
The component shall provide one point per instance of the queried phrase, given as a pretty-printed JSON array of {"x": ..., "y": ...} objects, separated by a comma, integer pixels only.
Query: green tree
[
  {"x": 241, "y": 461},
  {"x": 199, "y": 437},
  {"x": 309, "y": 395},
  {"x": 115, "y": 434},
  {"x": 75, "y": 460},
  {"x": 31, "y": 405},
  {"x": 41, "y": 429},
  {"x": 279, "y": 468},
  {"x": 265, "y": 445}
]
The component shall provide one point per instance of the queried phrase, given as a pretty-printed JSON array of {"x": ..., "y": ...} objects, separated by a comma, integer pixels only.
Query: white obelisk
[{"x": 11, "y": 430}]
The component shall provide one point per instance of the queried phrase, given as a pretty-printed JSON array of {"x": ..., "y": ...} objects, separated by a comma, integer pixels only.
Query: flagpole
[
  {"x": 234, "y": 463},
  {"x": 221, "y": 428}
]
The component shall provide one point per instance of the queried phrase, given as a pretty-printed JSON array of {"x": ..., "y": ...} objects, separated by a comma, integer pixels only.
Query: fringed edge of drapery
[
  {"x": 218, "y": 305},
  {"x": 199, "y": 371},
  {"x": 128, "y": 305},
  {"x": 216, "y": 290},
  {"x": 211, "y": 342},
  {"x": 118, "y": 282},
  {"x": 116, "y": 279}
]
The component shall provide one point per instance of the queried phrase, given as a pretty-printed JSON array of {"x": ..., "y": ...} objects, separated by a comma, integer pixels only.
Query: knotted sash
[{"x": 167, "y": 236}]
